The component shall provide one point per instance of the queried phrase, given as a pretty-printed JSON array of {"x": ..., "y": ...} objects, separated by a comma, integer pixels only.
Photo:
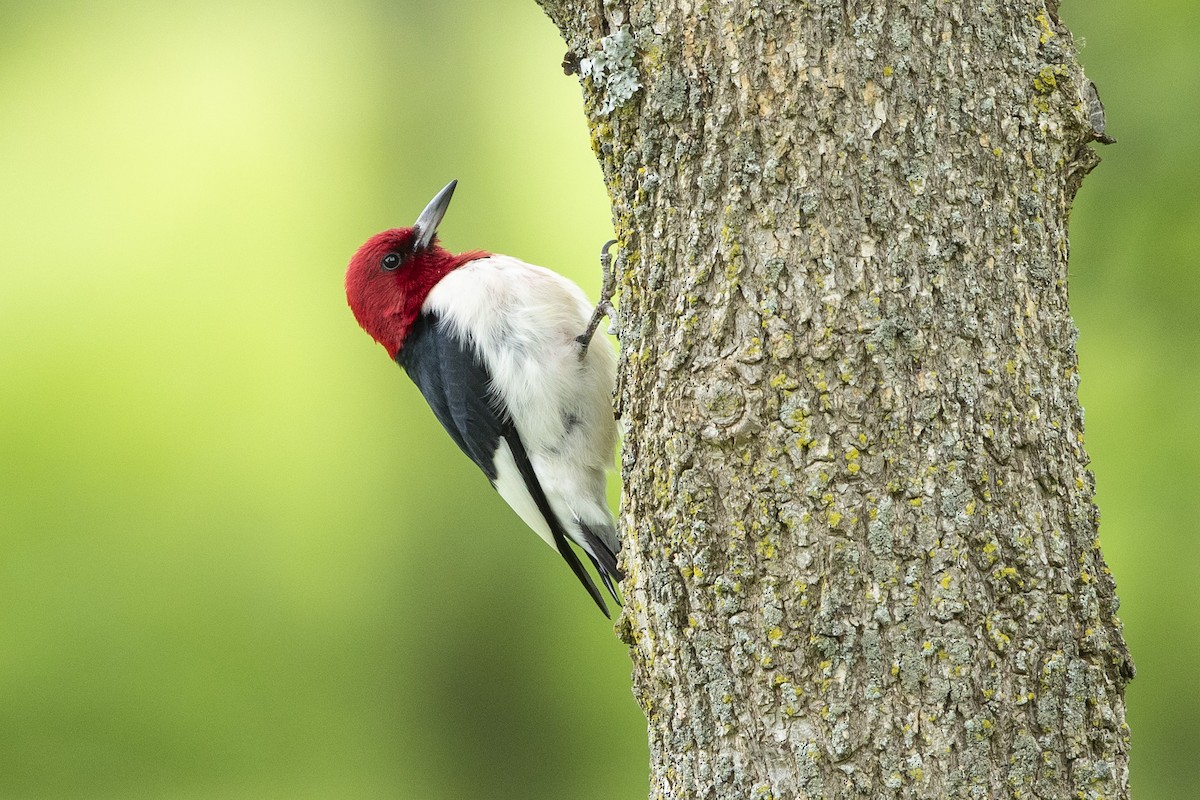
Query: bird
[{"x": 494, "y": 346}]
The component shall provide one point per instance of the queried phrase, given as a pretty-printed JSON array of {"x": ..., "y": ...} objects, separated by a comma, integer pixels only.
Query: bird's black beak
[{"x": 425, "y": 228}]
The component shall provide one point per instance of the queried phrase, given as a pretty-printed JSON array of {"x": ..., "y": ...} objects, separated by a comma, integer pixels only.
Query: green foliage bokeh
[{"x": 238, "y": 557}]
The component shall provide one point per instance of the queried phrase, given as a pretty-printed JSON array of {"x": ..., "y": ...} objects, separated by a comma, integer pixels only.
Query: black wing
[{"x": 456, "y": 384}]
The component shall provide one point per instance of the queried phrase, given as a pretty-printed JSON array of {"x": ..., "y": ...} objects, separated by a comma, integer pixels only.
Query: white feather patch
[{"x": 511, "y": 487}]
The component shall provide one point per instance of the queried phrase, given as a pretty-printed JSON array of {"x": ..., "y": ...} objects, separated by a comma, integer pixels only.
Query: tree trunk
[{"x": 859, "y": 531}]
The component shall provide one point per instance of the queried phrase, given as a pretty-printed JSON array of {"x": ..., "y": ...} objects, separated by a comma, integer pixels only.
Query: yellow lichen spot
[
  {"x": 1047, "y": 31},
  {"x": 834, "y": 519},
  {"x": 783, "y": 381},
  {"x": 1085, "y": 576},
  {"x": 853, "y": 468},
  {"x": 766, "y": 548},
  {"x": 916, "y": 502},
  {"x": 852, "y": 454},
  {"x": 775, "y": 634},
  {"x": 945, "y": 581},
  {"x": 970, "y": 508},
  {"x": 888, "y": 71},
  {"x": 1046, "y": 80}
]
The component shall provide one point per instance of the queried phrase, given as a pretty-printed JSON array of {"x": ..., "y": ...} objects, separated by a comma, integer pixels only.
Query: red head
[{"x": 392, "y": 273}]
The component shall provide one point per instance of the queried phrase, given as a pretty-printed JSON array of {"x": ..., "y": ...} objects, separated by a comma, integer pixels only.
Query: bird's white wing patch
[{"x": 512, "y": 488}]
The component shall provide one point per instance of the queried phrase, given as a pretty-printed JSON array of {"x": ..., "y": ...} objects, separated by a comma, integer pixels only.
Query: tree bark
[{"x": 859, "y": 529}]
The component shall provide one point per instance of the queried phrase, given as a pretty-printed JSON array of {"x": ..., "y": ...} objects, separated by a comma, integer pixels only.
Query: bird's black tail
[
  {"x": 602, "y": 554},
  {"x": 564, "y": 549}
]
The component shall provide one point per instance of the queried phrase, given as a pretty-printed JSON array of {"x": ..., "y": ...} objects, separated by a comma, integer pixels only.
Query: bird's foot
[{"x": 605, "y": 307}]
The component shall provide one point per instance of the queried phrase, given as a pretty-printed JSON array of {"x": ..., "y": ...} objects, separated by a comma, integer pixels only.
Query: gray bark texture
[{"x": 859, "y": 529}]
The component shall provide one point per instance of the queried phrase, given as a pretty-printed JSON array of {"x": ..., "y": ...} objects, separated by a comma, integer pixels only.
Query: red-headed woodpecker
[{"x": 494, "y": 346}]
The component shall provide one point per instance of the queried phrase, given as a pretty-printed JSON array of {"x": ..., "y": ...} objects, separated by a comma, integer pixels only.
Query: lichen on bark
[{"x": 859, "y": 530}]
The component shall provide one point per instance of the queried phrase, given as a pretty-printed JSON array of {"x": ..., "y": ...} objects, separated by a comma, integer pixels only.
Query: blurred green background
[{"x": 239, "y": 558}]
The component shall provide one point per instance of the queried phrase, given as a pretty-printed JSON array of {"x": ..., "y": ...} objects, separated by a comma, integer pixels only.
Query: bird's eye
[{"x": 390, "y": 262}]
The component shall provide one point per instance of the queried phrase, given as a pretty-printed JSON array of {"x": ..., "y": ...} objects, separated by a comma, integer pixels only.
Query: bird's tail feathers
[
  {"x": 595, "y": 544},
  {"x": 564, "y": 549}
]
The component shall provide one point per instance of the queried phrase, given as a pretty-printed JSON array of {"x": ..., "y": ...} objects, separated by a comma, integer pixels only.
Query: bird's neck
[{"x": 422, "y": 278}]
